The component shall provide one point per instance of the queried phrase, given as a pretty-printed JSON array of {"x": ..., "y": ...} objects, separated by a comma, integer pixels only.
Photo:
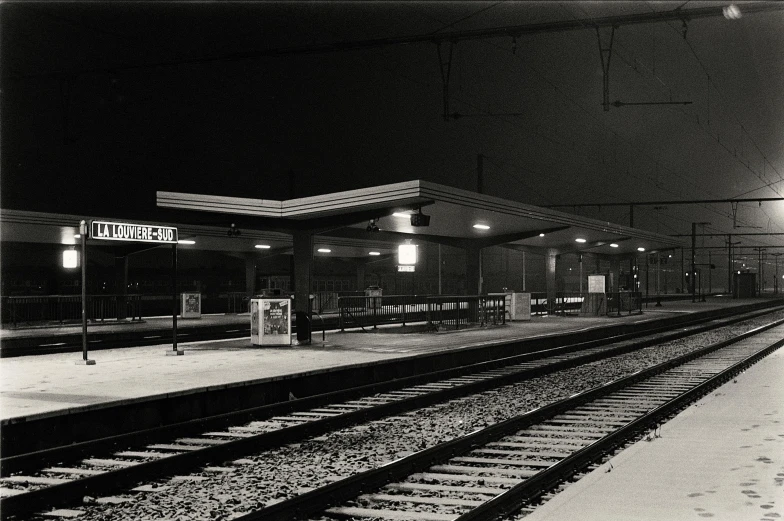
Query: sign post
[
  {"x": 130, "y": 232},
  {"x": 83, "y": 237}
]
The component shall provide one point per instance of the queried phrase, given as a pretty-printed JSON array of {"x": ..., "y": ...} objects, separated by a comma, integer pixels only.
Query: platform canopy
[
  {"x": 50, "y": 228},
  {"x": 456, "y": 217}
]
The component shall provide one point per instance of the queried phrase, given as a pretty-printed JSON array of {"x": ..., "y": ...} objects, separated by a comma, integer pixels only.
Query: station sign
[
  {"x": 114, "y": 231},
  {"x": 409, "y": 268}
]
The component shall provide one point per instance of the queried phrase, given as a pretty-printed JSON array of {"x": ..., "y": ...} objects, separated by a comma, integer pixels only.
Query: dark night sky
[{"x": 91, "y": 125}]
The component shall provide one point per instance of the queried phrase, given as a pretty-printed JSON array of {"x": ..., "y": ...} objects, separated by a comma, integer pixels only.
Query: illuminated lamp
[
  {"x": 374, "y": 253},
  {"x": 481, "y": 227},
  {"x": 640, "y": 249},
  {"x": 613, "y": 245},
  {"x": 579, "y": 240},
  {"x": 324, "y": 250},
  {"x": 407, "y": 254},
  {"x": 403, "y": 215},
  {"x": 263, "y": 246},
  {"x": 186, "y": 241},
  {"x": 541, "y": 235},
  {"x": 70, "y": 259}
]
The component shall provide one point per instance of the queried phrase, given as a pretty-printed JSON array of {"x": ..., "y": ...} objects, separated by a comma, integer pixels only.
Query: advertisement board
[
  {"x": 270, "y": 322},
  {"x": 191, "y": 305}
]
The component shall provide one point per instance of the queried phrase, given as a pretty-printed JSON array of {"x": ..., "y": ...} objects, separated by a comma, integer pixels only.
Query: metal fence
[
  {"x": 438, "y": 312},
  {"x": 456, "y": 311},
  {"x": 624, "y": 302},
  {"x": 327, "y": 301},
  {"x": 68, "y": 308}
]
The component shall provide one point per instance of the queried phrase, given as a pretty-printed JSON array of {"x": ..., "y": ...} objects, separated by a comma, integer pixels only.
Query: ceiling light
[
  {"x": 640, "y": 249},
  {"x": 263, "y": 246},
  {"x": 481, "y": 227},
  {"x": 541, "y": 235},
  {"x": 403, "y": 215},
  {"x": 324, "y": 250},
  {"x": 374, "y": 253},
  {"x": 184, "y": 241},
  {"x": 580, "y": 240},
  {"x": 77, "y": 236},
  {"x": 613, "y": 245}
]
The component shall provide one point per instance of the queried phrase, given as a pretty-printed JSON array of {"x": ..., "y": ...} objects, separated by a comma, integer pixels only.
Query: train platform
[
  {"x": 34, "y": 387},
  {"x": 721, "y": 459}
]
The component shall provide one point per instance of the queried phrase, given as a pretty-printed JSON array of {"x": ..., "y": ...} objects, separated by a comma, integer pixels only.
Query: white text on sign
[{"x": 113, "y": 231}]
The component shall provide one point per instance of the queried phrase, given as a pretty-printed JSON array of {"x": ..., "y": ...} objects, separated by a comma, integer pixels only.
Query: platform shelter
[{"x": 423, "y": 211}]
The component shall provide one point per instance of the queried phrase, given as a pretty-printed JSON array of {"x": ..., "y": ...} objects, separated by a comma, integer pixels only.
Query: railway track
[
  {"x": 40, "y": 480},
  {"x": 500, "y": 469}
]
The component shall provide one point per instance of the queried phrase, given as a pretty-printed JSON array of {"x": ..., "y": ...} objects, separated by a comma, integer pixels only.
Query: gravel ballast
[{"x": 233, "y": 488}]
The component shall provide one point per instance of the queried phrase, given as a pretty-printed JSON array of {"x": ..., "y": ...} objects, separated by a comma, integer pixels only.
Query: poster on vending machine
[{"x": 276, "y": 317}]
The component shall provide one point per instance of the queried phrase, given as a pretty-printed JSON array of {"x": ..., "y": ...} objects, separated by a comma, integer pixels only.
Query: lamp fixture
[
  {"x": 541, "y": 235},
  {"x": 324, "y": 250},
  {"x": 580, "y": 240},
  {"x": 481, "y": 227},
  {"x": 70, "y": 259},
  {"x": 233, "y": 231},
  {"x": 372, "y": 226},
  {"x": 403, "y": 215},
  {"x": 263, "y": 246},
  {"x": 613, "y": 245},
  {"x": 420, "y": 219},
  {"x": 186, "y": 241},
  {"x": 374, "y": 253},
  {"x": 640, "y": 249}
]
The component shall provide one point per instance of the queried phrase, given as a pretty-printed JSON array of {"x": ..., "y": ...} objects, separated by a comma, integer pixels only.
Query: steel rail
[
  {"x": 316, "y": 501},
  {"x": 112, "y": 480},
  {"x": 25, "y": 462},
  {"x": 533, "y": 487}
]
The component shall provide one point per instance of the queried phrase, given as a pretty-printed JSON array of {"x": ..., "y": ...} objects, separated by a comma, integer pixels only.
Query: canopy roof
[{"x": 453, "y": 215}]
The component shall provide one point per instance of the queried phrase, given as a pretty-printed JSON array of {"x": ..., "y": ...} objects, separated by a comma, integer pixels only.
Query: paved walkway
[
  {"x": 51, "y": 384},
  {"x": 720, "y": 459}
]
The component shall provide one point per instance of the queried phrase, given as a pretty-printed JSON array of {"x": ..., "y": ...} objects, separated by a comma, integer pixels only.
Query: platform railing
[
  {"x": 621, "y": 302},
  {"x": 364, "y": 311},
  {"x": 452, "y": 311},
  {"x": 61, "y": 309},
  {"x": 327, "y": 301}
]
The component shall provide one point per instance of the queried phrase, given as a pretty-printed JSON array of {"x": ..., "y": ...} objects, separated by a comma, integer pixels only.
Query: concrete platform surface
[
  {"x": 720, "y": 459},
  {"x": 42, "y": 385}
]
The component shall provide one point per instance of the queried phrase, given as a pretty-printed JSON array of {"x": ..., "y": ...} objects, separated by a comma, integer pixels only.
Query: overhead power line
[{"x": 452, "y": 37}]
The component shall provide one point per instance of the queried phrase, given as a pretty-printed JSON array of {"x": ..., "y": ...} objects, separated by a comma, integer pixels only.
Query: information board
[
  {"x": 114, "y": 231},
  {"x": 596, "y": 284}
]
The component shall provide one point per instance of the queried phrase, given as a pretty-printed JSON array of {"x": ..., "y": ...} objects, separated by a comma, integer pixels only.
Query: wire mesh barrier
[
  {"x": 438, "y": 312},
  {"x": 60, "y": 309}
]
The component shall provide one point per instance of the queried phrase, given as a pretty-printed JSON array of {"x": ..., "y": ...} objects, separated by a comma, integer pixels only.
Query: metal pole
[
  {"x": 692, "y": 275},
  {"x": 523, "y": 271},
  {"x": 83, "y": 233},
  {"x": 439, "y": 269},
  {"x": 710, "y": 274},
  {"x": 175, "y": 350},
  {"x": 729, "y": 263}
]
